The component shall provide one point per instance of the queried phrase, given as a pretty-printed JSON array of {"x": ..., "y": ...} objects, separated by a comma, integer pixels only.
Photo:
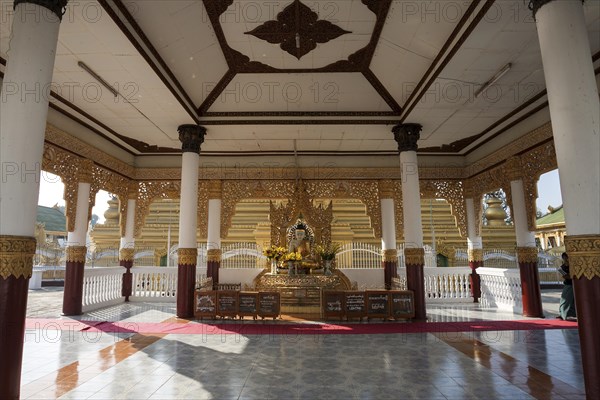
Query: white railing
[
  {"x": 242, "y": 255},
  {"x": 359, "y": 255},
  {"x": 444, "y": 285},
  {"x": 154, "y": 283},
  {"x": 501, "y": 288},
  {"x": 101, "y": 287}
]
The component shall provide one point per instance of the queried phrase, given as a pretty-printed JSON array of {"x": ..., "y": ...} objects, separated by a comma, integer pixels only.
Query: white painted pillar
[
  {"x": 191, "y": 137},
  {"x": 474, "y": 249},
  {"x": 77, "y": 237},
  {"x": 411, "y": 200},
  {"x": 574, "y": 104},
  {"x": 525, "y": 237},
  {"x": 23, "y": 111},
  {"x": 128, "y": 239},
  {"x": 214, "y": 224},
  {"x": 188, "y": 212},
  {"x": 388, "y": 225},
  {"x": 474, "y": 241}
]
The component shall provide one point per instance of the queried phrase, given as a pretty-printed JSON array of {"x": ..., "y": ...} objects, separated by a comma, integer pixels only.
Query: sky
[{"x": 51, "y": 192}]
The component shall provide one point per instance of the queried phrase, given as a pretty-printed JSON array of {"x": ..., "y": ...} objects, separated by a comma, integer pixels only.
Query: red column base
[
  {"x": 415, "y": 281},
  {"x": 73, "y": 294},
  {"x": 530, "y": 288},
  {"x": 475, "y": 281},
  {"x": 13, "y": 308},
  {"x": 127, "y": 285},
  {"x": 212, "y": 271},
  {"x": 587, "y": 298},
  {"x": 390, "y": 270},
  {"x": 186, "y": 283}
]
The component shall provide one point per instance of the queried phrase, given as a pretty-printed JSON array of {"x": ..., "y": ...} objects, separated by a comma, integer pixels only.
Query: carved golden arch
[
  {"x": 453, "y": 192},
  {"x": 363, "y": 190}
]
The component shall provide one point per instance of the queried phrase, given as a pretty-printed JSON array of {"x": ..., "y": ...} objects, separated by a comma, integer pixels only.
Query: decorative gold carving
[
  {"x": 512, "y": 168},
  {"x": 202, "y": 208},
  {"x": 148, "y": 192},
  {"x": 337, "y": 281},
  {"x": 85, "y": 171},
  {"x": 453, "y": 193},
  {"x": 584, "y": 255},
  {"x": 132, "y": 190},
  {"x": 398, "y": 211},
  {"x": 414, "y": 256},
  {"x": 16, "y": 256},
  {"x": 215, "y": 189},
  {"x": 213, "y": 255},
  {"x": 390, "y": 255},
  {"x": 187, "y": 256},
  {"x": 76, "y": 254},
  {"x": 475, "y": 255},
  {"x": 387, "y": 189},
  {"x": 527, "y": 254},
  {"x": 126, "y": 254}
]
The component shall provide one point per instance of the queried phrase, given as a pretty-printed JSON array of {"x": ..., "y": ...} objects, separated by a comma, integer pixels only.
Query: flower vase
[
  {"x": 273, "y": 266},
  {"x": 327, "y": 267},
  {"x": 291, "y": 265}
]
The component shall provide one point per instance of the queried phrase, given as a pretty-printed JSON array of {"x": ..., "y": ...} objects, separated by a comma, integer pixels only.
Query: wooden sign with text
[
  {"x": 205, "y": 304},
  {"x": 333, "y": 304},
  {"x": 227, "y": 303},
  {"x": 355, "y": 304},
  {"x": 378, "y": 304},
  {"x": 269, "y": 304},
  {"x": 402, "y": 304},
  {"x": 248, "y": 304}
]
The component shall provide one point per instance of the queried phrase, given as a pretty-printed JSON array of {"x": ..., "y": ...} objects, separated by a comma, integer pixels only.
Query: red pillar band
[
  {"x": 475, "y": 261},
  {"x": 213, "y": 263},
  {"x": 186, "y": 282},
  {"x": 415, "y": 279},
  {"x": 390, "y": 266},
  {"x": 584, "y": 260},
  {"x": 16, "y": 265},
  {"x": 126, "y": 261},
  {"x": 530, "y": 282},
  {"x": 73, "y": 293}
]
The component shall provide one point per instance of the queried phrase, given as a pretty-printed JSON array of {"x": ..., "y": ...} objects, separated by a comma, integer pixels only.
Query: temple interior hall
[{"x": 300, "y": 199}]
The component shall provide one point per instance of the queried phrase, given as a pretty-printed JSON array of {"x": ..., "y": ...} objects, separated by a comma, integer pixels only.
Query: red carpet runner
[{"x": 270, "y": 328}]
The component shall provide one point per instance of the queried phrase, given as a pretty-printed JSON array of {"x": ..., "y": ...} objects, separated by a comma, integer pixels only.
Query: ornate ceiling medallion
[{"x": 297, "y": 30}]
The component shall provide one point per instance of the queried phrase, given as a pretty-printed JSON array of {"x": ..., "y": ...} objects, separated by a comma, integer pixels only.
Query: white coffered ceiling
[{"x": 374, "y": 64}]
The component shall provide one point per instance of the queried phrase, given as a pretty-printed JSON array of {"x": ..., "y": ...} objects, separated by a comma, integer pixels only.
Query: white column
[
  {"x": 474, "y": 240},
  {"x": 128, "y": 240},
  {"x": 188, "y": 213},
  {"x": 525, "y": 237},
  {"x": 214, "y": 224},
  {"x": 411, "y": 199},
  {"x": 388, "y": 225},
  {"x": 23, "y": 111},
  {"x": 78, "y": 236},
  {"x": 574, "y": 104}
]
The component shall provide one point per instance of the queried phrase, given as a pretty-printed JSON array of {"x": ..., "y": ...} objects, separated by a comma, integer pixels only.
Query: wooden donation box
[{"x": 385, "y": 304}]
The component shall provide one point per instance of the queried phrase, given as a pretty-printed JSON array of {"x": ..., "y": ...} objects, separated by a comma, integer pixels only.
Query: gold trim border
[
  {"x": 126, "y": 254},
  {"x": 187, "y": 256},
  {"x": 76, "y": 254},
  {"x": 527, "y": 254},
  {"x": 16, "y": 256},
  {"x": 475, "y": 255},
  {"x": 414, "y": 256},
  {"x": 584, "y": 255},
  {"x": 213, "y": 255},
  {"x": 390, "y": 255}
]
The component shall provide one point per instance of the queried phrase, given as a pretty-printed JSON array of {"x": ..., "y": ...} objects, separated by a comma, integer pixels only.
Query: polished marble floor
[{"x": 70, "y": 364}]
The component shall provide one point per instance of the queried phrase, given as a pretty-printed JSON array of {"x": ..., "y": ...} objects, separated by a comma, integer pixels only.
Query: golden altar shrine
[{"x": 301, "y": 294}]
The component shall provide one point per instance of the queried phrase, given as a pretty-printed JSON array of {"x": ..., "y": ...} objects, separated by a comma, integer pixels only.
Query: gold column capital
[
  {"x": 414, "y": 256},
  {"x": 527, "y": 254},
  {"x": 187, "y": 256},
  {"x": 76, "y": 254},
  {"x": 85, "y": 171},
  {"x": 215, "y": 189},
  {"x": 475, "y": 255},
  {"x": 390, "y": 255},
  {"x": 584, "y": 255},
  {"x": 132, "y": 190},
  {"x": 16, "y": 256},
  {"x": 213, "y": 255},
  {"x": 126, "y": 254},
  {"x": 386, "y": 189}
]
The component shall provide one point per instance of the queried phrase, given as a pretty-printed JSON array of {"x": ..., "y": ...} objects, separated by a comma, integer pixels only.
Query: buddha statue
[{"x": 300, "y": 243}]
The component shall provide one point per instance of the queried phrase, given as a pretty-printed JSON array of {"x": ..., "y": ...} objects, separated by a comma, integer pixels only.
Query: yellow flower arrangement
[
  {"x": 274, "y": 252},
  {"x": 293, "y": 256}
]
